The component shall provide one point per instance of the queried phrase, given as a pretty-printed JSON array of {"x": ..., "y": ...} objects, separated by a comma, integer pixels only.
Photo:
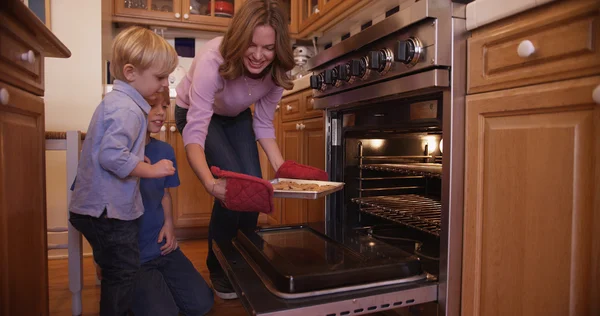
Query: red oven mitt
[
  {"x": 246, "y": 193},
  {"x": 294, "y": 170}
]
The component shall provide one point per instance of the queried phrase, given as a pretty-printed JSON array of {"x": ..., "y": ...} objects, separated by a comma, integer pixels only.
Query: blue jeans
[
  {"x": 169, "y": 285},
  {"x": 230, "y": 145},
  {"x": 115, "y": 246}
]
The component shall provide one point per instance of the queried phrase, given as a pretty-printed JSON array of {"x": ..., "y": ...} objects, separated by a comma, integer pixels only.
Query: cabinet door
[
  {"x": 192, "y": 205},
  {"x": 314, "y": 155},
  {"x": 23, "y": 267},
  {"x": 309, "y": 12},
  {"x": 532, "y": 202},
  {"x": 291, "y": 148},
  {"x": 209, "y": 12},
  {"x": 155, "y": 9}
]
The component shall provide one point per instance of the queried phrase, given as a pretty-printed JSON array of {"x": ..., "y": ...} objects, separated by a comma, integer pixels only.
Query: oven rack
[
  {"x": 416, "y": 211},
  {"x": 423, "y": 169}
]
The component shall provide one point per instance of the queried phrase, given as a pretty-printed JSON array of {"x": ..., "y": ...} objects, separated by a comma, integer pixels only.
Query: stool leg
[{"x": 75, "y": 270}]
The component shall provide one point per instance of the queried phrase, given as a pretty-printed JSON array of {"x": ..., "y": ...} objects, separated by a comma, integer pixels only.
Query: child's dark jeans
[{"x": 116, "y": 251}]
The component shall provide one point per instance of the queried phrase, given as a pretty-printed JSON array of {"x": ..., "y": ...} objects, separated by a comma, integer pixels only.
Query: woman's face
[{"x": 261, "y": 51}]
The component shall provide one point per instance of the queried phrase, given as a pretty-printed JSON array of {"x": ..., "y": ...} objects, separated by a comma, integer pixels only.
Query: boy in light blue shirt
[{"x": 106, "y": 200}]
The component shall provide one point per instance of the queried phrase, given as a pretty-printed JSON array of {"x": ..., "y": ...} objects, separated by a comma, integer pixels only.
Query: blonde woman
[{"x": 248, "y": 65}]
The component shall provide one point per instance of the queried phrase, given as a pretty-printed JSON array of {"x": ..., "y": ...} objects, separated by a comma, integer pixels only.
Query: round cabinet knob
[
  {"x": 297, "y": 126},
  {"x": 186, "y": 16},
  {"x": 277, "y": 107},
  {"x": 173, "y": 129},
  {"x": 163, "y": 128},
  {"x": 596, "y": 95},
  {"x": 4, "y": 96},
  {"x": 525, "y": 49},
  {"x": 288, "y": 107},
  {"x": 312, "y": 101},
  {"x": 28, "y": 57},
  {"x": 302, "y": 126},
  {"x": 177, "y": 15}
]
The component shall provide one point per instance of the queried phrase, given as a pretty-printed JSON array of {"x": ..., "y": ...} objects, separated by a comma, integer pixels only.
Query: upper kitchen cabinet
[
  {"x": 317, "y": 15},
  {"x": 290, "y": 8},
  {"x": 209, "y": 15}
]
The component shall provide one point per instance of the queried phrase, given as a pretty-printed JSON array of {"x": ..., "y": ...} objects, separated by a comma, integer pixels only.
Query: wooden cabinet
[
  {"x": 302, "y": 140},
  {"x": 24, "y": 42},
  {"x": 208, "y": 15},
  {"x": 532, "y": 208}
]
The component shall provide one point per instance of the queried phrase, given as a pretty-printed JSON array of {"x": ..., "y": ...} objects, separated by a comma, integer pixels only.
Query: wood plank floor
[{"x": 60, "y": 296}]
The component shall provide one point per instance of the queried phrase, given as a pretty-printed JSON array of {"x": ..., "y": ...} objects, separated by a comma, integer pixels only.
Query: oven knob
[
  {"x": 343, "y": 72},
  {"x": 380, "y": 60},
  {"x": 331, "y": 76},
  {"x": 409, "y": 51},
  {"x": 316, "y": 82},
  {"x": 358, "y": 67}
]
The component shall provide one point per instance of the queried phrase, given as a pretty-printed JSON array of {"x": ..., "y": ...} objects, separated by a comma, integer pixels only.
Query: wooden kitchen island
[{"x": 24, "y": 43}]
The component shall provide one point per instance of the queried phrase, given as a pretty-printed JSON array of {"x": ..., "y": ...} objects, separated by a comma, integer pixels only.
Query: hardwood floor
[{"x": 60, "y": 296}]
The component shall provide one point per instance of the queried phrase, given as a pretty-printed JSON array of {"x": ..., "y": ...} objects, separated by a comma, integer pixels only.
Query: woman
[{"x": 248, "y": 65}]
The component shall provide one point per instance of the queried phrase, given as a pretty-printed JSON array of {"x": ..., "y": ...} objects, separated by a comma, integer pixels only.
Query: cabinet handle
[
  {"x": 288, "y": 107},
  {"x": 302, "y": 126},
  {"x": 163, "y": 128},
  {"x": 596, "y": 95},
  {"x": 297, "y": 126},
  {"x": 186, "y": 16},
  {"x": 28, "y": 57},
  {"x": 173, "y": 129},
  {"x": 525, "y": 49},
  {"x": 4, "y": 96},
  {"x": 177, "y": 15},
  {"x": 312, "y": 101},
  {"x": 277, "y": 107}
]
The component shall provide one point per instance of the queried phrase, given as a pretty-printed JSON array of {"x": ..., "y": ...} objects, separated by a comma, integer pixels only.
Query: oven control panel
[{"x": 400, "y": 53}]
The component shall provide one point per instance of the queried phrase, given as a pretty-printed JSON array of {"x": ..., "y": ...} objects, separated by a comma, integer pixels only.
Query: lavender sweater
[{"x": 204, "y": 92}]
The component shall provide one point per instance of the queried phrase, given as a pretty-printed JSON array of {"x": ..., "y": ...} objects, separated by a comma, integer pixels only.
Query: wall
[{"x": 73, "y": 90}]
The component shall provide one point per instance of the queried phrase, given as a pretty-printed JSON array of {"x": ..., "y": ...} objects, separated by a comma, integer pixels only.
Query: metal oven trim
[{"x": 416, "y": 84}]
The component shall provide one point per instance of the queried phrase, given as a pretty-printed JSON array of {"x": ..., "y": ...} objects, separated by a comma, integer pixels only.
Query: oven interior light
[
  {"x": 371, "y": 244},
  {"x": 376, "y": 143},
  {"x": 431, "y": 142}
]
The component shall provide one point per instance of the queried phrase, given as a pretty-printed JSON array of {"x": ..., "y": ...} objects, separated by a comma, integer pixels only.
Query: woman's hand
[{"x": 218, "y": 189}]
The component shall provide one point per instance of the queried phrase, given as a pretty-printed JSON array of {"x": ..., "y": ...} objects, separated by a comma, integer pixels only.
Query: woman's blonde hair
[
  {"x": 143, "y": 49},
  {"x": 251, "y": 14}
]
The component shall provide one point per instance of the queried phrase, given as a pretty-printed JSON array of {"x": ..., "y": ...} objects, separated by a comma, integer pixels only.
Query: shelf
[
  {"x": 422, "y": 169},
  {"x": 420, "y": 212}
]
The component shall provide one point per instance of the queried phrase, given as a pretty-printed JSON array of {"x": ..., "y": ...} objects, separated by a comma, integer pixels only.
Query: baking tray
[
  {"x": 308, "y": 195},
  {"x": 298, "y": 259}
]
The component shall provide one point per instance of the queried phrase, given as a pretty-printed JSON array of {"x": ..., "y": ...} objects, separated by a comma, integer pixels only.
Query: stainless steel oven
[{"x": 394, "y": 102}]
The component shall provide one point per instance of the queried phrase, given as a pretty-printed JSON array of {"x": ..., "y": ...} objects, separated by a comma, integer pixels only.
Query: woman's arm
[
  {"x": 269, "y": 145},
  {"x": 197, "y": 160}
]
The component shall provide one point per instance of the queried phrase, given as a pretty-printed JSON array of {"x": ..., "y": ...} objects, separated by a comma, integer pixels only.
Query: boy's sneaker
[{"x": 222, "y": 287}]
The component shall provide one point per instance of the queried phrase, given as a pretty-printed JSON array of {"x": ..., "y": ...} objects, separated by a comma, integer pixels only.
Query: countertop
[
  {"x": 299, "y": 85},
  {"x": 482, "y": 12}
]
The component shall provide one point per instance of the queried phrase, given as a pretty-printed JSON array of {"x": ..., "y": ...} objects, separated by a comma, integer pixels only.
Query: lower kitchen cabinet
[
  {"x": 304, "y": 142},
  {"x": 532, "y": 201}
]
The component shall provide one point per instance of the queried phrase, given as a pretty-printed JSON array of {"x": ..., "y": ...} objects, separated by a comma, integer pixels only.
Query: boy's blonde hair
[
  {"x": 163, "y": 96},
  {"x": 142, "y": 48}
]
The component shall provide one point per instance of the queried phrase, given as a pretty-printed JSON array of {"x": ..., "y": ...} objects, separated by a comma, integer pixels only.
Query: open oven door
[{"x": 306, "y": 270}]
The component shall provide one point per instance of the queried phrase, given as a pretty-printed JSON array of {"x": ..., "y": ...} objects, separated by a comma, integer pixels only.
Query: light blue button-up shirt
[{"x": 113, "y": 146}]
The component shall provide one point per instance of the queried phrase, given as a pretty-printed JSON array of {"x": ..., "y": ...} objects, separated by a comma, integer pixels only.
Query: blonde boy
[{"x": 106, "y": 200}]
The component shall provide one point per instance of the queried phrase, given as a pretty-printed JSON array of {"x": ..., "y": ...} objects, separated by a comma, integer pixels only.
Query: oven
[{"x": 394, "y": 102}]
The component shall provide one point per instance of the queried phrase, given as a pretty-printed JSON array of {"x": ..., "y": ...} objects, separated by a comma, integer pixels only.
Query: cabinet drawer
[
  {"x": 309, "y": 105},
  {"x": 290, "y": 108},
  {"x": 20, "y": 61},
  {"x": 564, "y": 42}
]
